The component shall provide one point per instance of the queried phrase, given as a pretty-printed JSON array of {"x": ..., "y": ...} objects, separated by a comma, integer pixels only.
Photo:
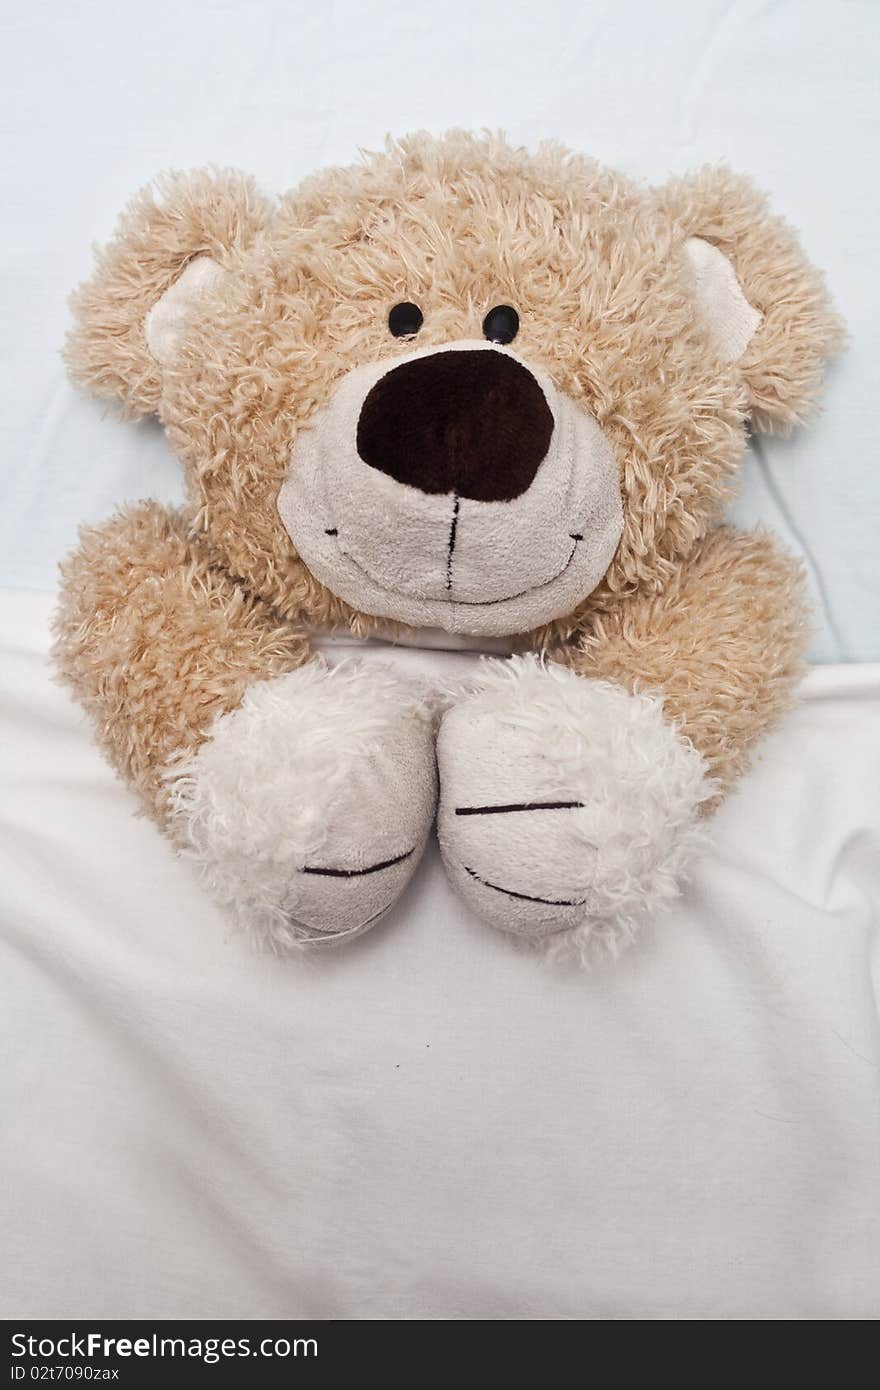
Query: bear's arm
[
  {"x": 723, "y": 643},
  {"x": 155, "y": 642}
]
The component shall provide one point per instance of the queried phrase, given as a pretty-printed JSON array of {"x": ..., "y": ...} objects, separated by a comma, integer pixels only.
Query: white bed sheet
[
  {"x": 430, "y": 1123},
  {"x": 99, "y": 97}
]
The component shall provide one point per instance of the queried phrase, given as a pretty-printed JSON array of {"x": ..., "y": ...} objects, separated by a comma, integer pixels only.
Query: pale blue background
[{"x": 99, "y": 96}]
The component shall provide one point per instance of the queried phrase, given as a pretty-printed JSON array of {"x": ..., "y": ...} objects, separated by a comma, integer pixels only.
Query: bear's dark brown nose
[{"x": 471, "y": 422}]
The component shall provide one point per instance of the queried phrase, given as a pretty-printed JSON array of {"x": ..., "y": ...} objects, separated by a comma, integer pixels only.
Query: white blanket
[{"x": 430, "y": 1123}]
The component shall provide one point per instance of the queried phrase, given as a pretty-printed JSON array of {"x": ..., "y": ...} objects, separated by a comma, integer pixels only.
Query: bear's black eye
[
  {"x": 405, "y": 320},
  {"x": 501, "y": 324}
]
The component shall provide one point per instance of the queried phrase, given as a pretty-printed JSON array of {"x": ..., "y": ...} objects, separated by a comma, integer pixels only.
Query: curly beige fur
[
  {"x": 186, "y": 215},
  {"x": 782, "y": 368},
  {"x": 155, "y": 642},
  {"x": 722, "y": 643}
]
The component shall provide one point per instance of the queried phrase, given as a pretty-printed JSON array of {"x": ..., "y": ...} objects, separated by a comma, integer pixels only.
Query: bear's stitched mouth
[{"x": 576, "y": 536}]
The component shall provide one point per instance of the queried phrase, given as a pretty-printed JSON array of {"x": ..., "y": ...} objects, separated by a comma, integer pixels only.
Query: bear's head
[{"x": 457, "y": 385}]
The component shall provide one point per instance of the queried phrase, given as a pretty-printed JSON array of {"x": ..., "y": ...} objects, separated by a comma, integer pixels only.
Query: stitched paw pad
[
  {"x": 568, "y": 807},
  {"x": 309, "y": 806}
]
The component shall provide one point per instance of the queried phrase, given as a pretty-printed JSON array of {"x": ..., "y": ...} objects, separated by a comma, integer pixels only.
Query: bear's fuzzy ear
[
  {"x": 171, "y": 246},
  {"x": 763, "y": 305}
]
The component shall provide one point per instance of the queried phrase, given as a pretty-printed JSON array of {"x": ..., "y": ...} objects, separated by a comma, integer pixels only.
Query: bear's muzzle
[{"x": 456, "y": 488}]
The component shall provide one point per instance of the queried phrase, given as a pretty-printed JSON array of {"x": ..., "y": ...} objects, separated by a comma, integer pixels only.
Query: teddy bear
[{"x": 465, "y": 389}]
